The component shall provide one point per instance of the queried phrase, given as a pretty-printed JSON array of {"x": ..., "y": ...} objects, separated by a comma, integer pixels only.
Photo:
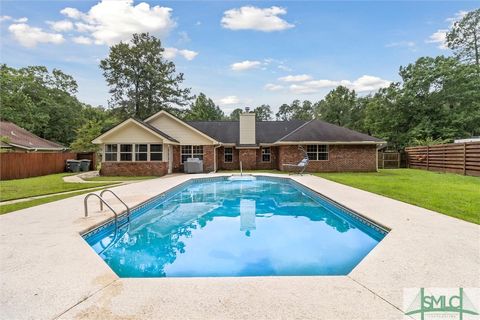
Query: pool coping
[{"x": 423, "y": 249}]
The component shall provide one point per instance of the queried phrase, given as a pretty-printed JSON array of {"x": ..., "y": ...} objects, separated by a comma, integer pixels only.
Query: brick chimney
[{"x": 247, "y": 128}]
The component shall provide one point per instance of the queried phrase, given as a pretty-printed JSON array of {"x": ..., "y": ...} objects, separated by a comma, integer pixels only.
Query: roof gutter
[{"x": 329, "y": 142}]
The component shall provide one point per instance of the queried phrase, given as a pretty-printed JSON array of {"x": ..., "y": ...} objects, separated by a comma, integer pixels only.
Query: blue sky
[{"x": 238, "y": 53}]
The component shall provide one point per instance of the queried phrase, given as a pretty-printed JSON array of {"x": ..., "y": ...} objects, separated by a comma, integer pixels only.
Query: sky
[{"x": 238, "y": 53}]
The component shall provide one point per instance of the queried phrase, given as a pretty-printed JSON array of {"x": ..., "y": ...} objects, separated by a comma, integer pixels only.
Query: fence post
[
  {"x": 428, "y": 165},
  {"x": 464, "y": 158}
]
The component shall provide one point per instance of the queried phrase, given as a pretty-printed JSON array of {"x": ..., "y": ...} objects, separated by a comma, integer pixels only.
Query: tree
[
  {"x": 263, "y": 113},
  {"x": 141, "y": 81},
  {"x": 464, "y": 37},
  {"x": 338, "y": 106},
  {"x": 296, "y": 111},
  {"x": 235, "y": 115},
  {"x": 284, "y": 113},
  {"x": 204, "y": 109},
  {"x": 85, "y": 135},
  {"x": 40, "y": 101}
]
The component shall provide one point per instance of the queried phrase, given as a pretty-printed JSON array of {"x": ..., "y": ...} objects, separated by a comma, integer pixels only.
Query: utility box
[{"x": 193, "y": 165}]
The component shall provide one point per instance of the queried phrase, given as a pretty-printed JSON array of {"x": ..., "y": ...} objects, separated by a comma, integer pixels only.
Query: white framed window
[
  {"x": 228, "y": 155},
  {"x": 191, "y": 152},
  {"x": 156, "y": 152},
  {"x": 141, "y": 153},
  {"x": 266, "y": 153},
  {"x": 126, "y": 152},
  {"x": 111, "y": 152},
  {"x": 317, "y": 152}
]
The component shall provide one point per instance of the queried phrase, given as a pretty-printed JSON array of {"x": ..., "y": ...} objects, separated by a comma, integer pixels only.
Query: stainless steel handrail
[
  {"x": 118, "y": 198},
  {"x": 85, "y": 204}
]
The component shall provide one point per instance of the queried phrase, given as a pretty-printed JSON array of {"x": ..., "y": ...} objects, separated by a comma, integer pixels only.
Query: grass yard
[
  {"x": 27, "y": 204},
  {"x": 37, "y": 186},
  {"x": 454, "y": 195},
  {"x": 119, "y": 178}
]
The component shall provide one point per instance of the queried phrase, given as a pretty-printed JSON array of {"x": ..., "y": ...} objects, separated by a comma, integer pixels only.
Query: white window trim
[
  {"x": 319, "y": 152},
  {"x": 133, "y": 152},
  {"x": 225, "y": 154},
  {"x": 269, "y": 154},
  {"x": 105, "y": 152},
  {"x": 191, "y": 154},
  {"x": 156, "y": 152}
]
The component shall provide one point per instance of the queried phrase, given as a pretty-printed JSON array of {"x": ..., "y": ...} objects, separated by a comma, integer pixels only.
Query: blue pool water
[{"x": 218, "y": 227}]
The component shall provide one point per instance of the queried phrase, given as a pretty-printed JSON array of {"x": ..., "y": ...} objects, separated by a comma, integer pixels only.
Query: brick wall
[
  {"x": 134, "y": 168},
  {"x": 222, "y": 165},
  {"x": 207, "y": 158},
  {"x": 273, "y": 164},
  {"x": 340, "y": 158},
  {"x": 248, "y": 157}
]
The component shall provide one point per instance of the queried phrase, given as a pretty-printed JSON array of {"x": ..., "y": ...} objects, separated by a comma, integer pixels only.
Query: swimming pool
[{"x": 221, "y": 227}]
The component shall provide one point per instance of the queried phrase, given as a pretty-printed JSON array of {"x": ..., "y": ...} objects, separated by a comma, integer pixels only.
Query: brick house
[
  {"x": 16, "y": 139},
  {"x": 160, "y": 144}
]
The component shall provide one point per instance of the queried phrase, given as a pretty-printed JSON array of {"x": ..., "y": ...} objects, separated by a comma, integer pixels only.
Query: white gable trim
[
  {"x": 98, "y": 140},
  {"x": 163, "y": 112}
]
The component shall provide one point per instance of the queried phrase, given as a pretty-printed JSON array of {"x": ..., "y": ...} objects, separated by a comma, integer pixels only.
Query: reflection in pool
[{"x": 218, "y": 227}]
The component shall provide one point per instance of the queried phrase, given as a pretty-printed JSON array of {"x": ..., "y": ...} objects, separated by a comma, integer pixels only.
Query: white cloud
[
  {"x": 439, "y": 37},
  {"x": 110, "y": 22},
  {"x": 407, "y": 44},
  {"x": 171, "y": 53},
  {"x": 245, "y": 65},
  {"x": 30, "y": 36},
  {"x": 273, "y": 87},
  {"x": 253, "y": 18},
  {"x": 61, "y": 26},
  {"x": 72, "y": 13},
  {"x": 296, "y": 78},
  {"x": 362, "y": 84},
  {"x": 284, "y": 67},
  {"x": 229, "y": 100},
  {"x": 82, "y": 40},
  {"x": 9, "y": 18},
  {"x": 457, "y": 16}
]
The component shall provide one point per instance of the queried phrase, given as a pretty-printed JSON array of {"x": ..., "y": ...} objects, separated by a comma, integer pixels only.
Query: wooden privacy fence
[
  {"x": 390, "y": 160},
  {"x": 462, "y": 158},
  {"x": 17, "y": 165}
]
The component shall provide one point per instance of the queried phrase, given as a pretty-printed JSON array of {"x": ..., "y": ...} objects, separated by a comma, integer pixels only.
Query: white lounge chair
[{"x": 301, "y": 166}]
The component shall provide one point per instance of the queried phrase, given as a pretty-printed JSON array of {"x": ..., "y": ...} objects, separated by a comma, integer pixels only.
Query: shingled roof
[
  {"x": 268, "y": 132},
  {"x": 16, "y": 136}
]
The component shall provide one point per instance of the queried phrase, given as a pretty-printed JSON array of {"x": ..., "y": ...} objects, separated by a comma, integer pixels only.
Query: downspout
[{"x": 215, "y": 157}]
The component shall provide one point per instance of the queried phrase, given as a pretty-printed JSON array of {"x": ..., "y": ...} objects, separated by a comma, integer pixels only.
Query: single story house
[
  {"x": 160, "y": 144},
  {"x": 17, "y": 139}
]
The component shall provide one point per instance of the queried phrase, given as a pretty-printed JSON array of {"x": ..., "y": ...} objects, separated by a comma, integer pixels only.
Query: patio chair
[{"x": 302, "y": 165}]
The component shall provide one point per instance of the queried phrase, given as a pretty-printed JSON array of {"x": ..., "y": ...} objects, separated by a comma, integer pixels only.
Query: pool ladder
[{"x": 103, "y": 202}]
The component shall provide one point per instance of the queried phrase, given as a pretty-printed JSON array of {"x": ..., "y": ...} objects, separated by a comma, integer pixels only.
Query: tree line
[{"x": 437, "y": 100}]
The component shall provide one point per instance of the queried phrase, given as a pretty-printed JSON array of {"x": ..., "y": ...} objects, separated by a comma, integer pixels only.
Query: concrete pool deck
[{"x": 47, "y": 271}]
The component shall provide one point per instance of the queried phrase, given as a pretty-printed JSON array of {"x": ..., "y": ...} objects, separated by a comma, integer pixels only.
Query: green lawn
[
  {"x": 119, "y": 178},
  {"x": 454, "y": 195},
  {"x": 37, "y": 186},
  {"x": 27, "y": 204}
]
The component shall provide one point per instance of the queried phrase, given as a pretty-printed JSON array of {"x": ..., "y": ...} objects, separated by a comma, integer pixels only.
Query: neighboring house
[
  {"x": 161, "y": 143},
  {"x": 14, "y": 138}
]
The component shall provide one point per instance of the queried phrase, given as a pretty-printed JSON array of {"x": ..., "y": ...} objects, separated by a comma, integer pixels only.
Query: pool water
[{"x": 218, "y": 227}]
